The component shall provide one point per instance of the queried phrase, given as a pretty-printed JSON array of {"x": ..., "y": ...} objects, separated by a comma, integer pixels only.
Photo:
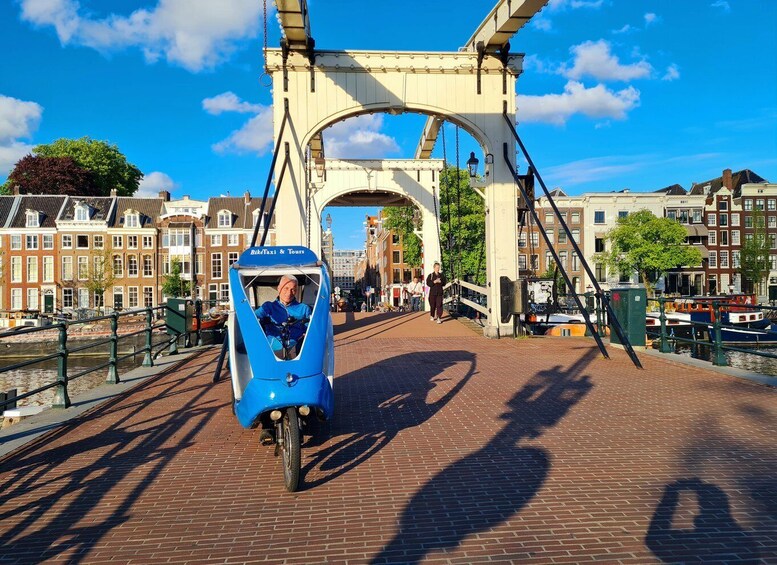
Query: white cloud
[
  {"x": 594, "y": 59},
  {"x": 672, "y": 72},
  {"x": 722, "y": 4},
  {"x": 18, "y": 120},
  {"x": 593, "y": 169},
  {"x": 256, "y": 135},
  {"x": 153, "y": 183},
  {"x": 574, "y": 4},
  {"x": 650, "y": 18},
  {"x": 542, "y": 24},
  {"x": 228, "y": 102},
  {"x": 195, "y": 34},
  {"x": 359, "y": 137},
  {"x": 625, "y": 29},
  {"x": 596, "y": 102}
]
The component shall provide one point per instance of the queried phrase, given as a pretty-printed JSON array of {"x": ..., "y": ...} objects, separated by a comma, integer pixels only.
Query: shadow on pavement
[{"x": 489, "y": 486}]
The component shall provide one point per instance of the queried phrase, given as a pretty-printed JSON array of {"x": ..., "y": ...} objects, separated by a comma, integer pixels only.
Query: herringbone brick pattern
[{"x": 447, "y": 448}]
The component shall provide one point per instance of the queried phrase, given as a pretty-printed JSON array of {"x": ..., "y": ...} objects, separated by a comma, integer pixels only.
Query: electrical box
[
  {"x": 629, "y": 305},
  {"x": 179, "y": 315}
]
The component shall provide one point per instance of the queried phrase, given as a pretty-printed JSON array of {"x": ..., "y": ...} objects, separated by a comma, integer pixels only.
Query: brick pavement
[{"x": 446, "y": 448}]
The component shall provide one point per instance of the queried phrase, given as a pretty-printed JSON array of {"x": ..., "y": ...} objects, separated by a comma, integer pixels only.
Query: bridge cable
[
  {"x": 447, "y": 199},
  {"x": 458, "y": 208}
]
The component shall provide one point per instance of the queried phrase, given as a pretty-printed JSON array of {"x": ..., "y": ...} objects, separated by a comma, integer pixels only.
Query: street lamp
[
  {"x": 329, "y": 222},
  {"x": 472, "y": 165},
  {"x": 320, "y": 165}
]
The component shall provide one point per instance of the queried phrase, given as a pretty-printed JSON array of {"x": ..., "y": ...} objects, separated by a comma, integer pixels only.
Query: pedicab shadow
[
  {"x": 375, "y": 403},
  {"x": 486, "y": 488}
]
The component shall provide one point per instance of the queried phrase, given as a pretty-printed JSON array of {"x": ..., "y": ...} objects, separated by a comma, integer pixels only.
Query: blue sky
[{"x": 615, "y": 93}]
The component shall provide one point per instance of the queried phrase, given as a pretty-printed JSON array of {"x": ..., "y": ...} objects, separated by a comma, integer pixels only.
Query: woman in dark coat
[{"x": 436, "y": 281}]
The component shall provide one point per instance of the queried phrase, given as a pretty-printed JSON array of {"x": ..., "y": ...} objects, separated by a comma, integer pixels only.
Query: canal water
[{"x": 736, "y": 359}]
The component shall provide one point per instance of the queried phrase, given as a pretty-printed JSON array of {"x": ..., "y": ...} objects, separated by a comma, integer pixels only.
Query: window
[
  {"x": 82, "y": 242},
  {"x": 118, "y": 266},
  {"x": 723, "y": 220},
  {"x": 148, "y": 266},
  {"x": 395, "y": 238},
  {"x": 48, "y": 269},
  {"x": 562, "y": 236},
  {"x": 713, "y": 261},
  {"x": 683, "y": 216},
  {"x": 32, "y": 219},
  {"x": 48, "y": 241},
  {"x": 575, "y": 262},
  {"x": 16, "y": 299},
  {"x": 771, "y": 204},
  {"x": 132, "y": 220},
  {"x": 575, "y": 217},
  {"x": 599, "y": 217},
  {"x": 724, "y": 238},
  {"x": 83, "y": 298},
  {"x": 600, "y": 271},
  {"x": 132, "y": 297},
  {"x": 99, "y": 242},
  {"x": 735, "y": 220},
  {"x": 178, "y": 238},
  {"x": 535, "y": 239},
  {"x": 522, "y": 262},
  {"x": 551, "y": 236},
  {"x": 67, "y": 241},
  {"x": 697, "y": 216},
  {"x": 67, "y": 298},
  {"x": 118, "y": 297},
  {"x": 118, "y": 241},
  {"x": 224, "y": 288},
  {"x": 712, "y": 238},
  {"x": 67, "y": 268},
  {"x": 16, "y": 269},
  {"x": 397, "y": 277},
  {"x": 32, "y": 269},
  {"x": 773, "y": 241},
  {"x": 132, "y": 242},
  {"x": 16, "y": 242},
  {"x": 562, "y": 257},
  {"x": 760, "y": 221},
  {"x": 748, "y": 221},
  {"x": 99, "y": 300},
  {"x": 773, "y": 221},
  {"x": 82, "y": 213},
  {"x": 215, "y": 266},
  {"x": 734, "y": 237},
  {"x": 748, "y": 205},
  {"x": 549, "y": 260},
  {"x": 32, "y": 298},
  {"x": 232, "y": 257},
  {"x": 548, "y": 218},
  {"x": 395, "y": 257},
  {"x": 148, "y": 296},
  {"x": 759, "y": 204},
  {"x": 200, "y": 263},
  {"x": 773, "y": 262},
  {"x": 215, "y": 240},
  {"x": 148, "y": 242},
  {"x": 31, "y": 241},
  {"x": 132, "y": 266},
  {"x": 723, "y": 205},
  {"x": 748, "y": 237},
  {"x": 83, "y": 268},
  {"x": 225, "y": 219},
  {"x": 522, "y": 239},
  {"x": 711, "y": 219},
  {"x": 735, "y": 259},
  {"x": 213, "y": 292},
  {"x": 576, "y": 234},
  {"x": 599, "y": 245},
  {"x": 233, "y": 240},
  {"x": 622, "y": 214},
  {"x": 724, "y": 259},
  {"x": 671, "y": 214}
]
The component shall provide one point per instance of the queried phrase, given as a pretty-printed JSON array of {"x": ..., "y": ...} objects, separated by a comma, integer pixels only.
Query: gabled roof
[
  {"x": 242, "y": 213},
  {"x": 47, "y": 204},
  {"x": 737, "y": 179},
  {"x": 101, "y": 206},
  {"x": 6, "y": 205},
  {"x": 149, "y": 208},
  {"x": 673, "y": 190}
]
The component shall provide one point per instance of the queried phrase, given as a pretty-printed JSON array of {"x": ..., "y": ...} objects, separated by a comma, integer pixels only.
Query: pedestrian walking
[{"x": 436, "y": 281}]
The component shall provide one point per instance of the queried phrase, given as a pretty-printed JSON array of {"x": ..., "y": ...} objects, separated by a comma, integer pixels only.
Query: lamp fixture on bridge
[
  {"x": 329, "y": 222},
  {"x": 472, "y": 165},
  {"x": 320, "y": 165}
]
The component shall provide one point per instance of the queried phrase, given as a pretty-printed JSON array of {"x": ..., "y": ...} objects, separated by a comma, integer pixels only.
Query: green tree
[
  {"x": 647, "y": 245},
  {"x": 400, "y": 220},
  {"x": 100, "y": 275},
  {"x": 107, "y": 164},
  {"x": 173, "y": 284},
  {"x": 754, "y": 264},
  {"x": 462, "y": 226}
]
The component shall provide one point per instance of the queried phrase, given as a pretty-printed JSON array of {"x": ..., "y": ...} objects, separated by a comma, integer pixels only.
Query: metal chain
[{"x": 264, "y": 52}]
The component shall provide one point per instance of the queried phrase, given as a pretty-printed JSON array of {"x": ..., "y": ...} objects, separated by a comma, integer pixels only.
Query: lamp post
[{"x": 472, "y": 165}]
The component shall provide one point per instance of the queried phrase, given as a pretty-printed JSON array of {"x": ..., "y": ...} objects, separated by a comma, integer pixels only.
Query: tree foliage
[
  {"x": 100, "y": 275},
  {"x": 399, "y": 219},
  {"x": 754, "y": 264},
  {"x": 462, "y": 226},
  {"x": 51, "y": 175},
  {"x": 647, "y": 245},
  {"x": 107, "y": 164},
  {"x": 173, "y": 284}
]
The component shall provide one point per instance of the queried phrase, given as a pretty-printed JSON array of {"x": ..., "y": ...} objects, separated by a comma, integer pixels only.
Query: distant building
[{"x": 344, "y": 264}]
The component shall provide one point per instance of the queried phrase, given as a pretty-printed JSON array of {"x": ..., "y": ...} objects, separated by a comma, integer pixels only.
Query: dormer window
[
  {"x": 225, "y": 219},
  {"x": 33, "y": 219},
  {"x": 82, "y": 212},
  {"x": 132, "y": 220}
]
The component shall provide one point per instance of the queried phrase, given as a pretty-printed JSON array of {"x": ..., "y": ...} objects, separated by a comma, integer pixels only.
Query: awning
[
  {"x": 697, "y": 230},
  {"x": 705, "y": 254}
]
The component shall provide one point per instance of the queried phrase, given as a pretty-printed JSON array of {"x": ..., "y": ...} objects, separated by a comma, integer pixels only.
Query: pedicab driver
[{"x": 272, "y": 314}]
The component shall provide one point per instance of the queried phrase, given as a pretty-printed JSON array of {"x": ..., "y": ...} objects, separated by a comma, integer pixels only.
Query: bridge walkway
[{"x": 446, "y": 448}]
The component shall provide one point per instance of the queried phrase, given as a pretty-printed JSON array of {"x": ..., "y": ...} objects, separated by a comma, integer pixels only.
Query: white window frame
[
  {"x": 16, "y": 299},
  {"x": 67, "y": 268},
  {"x": 32, "y": 269},
  {"x": 118, "y": 241},
  {"x": 16, "y": 242},
  {"x": 16, "y": 269},
  {"x": 32, "y": 219},
  {"x": 233, "y": 240},
  {"x": 225, "y": 219},
  {"x": 148, "y": 242},
  {"x": 48, "y": 268},
  {"x": 712, "y": 219}
]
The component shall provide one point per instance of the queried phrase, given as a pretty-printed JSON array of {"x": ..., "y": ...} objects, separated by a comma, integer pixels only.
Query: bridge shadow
[
  {"x": 48, "y": 498},
  {"x": 376, "y": 402},
  {"x": 489, "y": 486}
]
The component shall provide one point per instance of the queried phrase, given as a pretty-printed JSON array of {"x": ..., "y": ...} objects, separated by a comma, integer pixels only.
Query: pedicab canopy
[{"x": 286, "y": 255}]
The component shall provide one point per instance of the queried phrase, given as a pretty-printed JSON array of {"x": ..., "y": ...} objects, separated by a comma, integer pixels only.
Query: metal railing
[
  {"x": 150, "y": 350},
  {"x": 708, "y": 334},
  {"x": 458, "y": 292}
]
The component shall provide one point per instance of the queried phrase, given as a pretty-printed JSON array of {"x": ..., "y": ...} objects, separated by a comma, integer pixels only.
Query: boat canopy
[{"x": 287, "y": 256}]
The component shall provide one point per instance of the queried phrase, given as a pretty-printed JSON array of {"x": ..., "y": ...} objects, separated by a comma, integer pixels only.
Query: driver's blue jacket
[{"x": 273, "y": 314}]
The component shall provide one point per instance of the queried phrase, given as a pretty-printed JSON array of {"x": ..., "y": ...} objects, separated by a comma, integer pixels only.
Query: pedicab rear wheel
[{"x": 290, "y": 454}]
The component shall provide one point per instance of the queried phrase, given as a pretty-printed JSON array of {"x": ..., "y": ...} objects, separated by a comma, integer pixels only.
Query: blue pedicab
[{"x": 277, "y": 383}]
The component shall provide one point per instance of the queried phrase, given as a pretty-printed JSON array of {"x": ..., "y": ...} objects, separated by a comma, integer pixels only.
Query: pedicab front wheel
[{"x": 290, "y": 454}]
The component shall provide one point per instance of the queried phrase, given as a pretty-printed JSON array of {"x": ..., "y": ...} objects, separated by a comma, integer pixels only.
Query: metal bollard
[
  {"x": 148, "y": 360},
  {"x": 61, "y": 397},
  {"x": 664, "y": 348},
  {"x": 113, "y": 371},
  {"x": 718, "y": 357}
]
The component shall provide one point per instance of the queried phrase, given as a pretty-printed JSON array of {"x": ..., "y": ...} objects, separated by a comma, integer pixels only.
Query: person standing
[
  {"x": 416, "y": 292},
  {"x": 436, "y": 281}
]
